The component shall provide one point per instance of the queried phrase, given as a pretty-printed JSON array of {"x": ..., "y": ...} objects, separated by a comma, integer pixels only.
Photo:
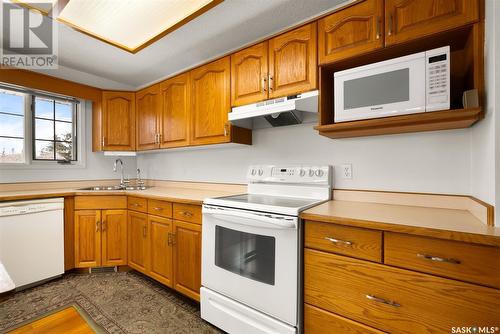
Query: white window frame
[{"x": 29, "y": 163}]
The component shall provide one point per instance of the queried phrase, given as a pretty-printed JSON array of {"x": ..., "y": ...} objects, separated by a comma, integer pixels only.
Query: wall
[
  {"x": 422, "y": 162},
  {"x": 97, "y": 166}
]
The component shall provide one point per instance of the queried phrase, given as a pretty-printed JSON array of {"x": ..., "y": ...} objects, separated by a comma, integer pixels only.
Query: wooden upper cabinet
[
  {"x": 148, "y": 107},
  {"x": 174, "y": 121},
  {"x": 114, "y": 237},
  {"x": 138, "y": 241},
  {"x": 87, "y": 238},
  {"x": 249, "y": 73},
  {"x": 293, "y": 62},
  {"x": 410, "y": 19},
  {"x": 187, "y": 258},
  {"x": 118, "y": 121},
  {"x": 351, "y": 31},
  {"x": 210, "y": 103}
]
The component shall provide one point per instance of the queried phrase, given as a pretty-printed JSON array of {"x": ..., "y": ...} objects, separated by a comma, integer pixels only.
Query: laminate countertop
[
  {"x": 452, "y": 224},
  {"x": 174, "y": 194}
]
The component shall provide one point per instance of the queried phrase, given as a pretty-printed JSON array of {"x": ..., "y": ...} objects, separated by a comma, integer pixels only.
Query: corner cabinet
[
  {"x": 411, "y": 19},
  {"x": 118, "y": 121},
  {"x": 293, "y": 62},
  {"x": 354, "y": 30},
  {"x": 210, "y": 103},
  {"x": 148, "y": 106},
  {"x": 175, "y": 100}
]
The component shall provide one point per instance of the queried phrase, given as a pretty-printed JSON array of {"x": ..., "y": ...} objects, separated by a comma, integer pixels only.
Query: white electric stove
[{"x": 251, "y": 249}]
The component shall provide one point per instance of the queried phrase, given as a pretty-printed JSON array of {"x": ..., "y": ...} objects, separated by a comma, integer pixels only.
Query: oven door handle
[{"x": 248, "y": 219}]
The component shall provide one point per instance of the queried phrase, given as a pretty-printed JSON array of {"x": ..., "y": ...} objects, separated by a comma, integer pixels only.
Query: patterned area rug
[{"x": 117, "y": 302}]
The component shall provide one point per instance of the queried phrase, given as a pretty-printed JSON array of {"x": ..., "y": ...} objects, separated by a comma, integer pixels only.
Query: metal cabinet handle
[
  {"x": 103, "y": 226},
  {"x": 173, "y": 241},
  {"x": 383, "y": 301},
  {"x": 136, "y": 204},
  {"x": 169, "y": 241},
  {"x": 377, "y": 36},
  {"x": 186, "y": 213},
  {"x": 438, "y": 259},
  {"x": 264, "y": 89},
  {"x": 103, "y": 141},
  {"x": 338, "y": 241},
  {"x": 97, "y": 226},
  {"x": 225, "y": 129},
  {"x": 389, "y": 32},
  {"x": 144, "y": 231},
  {"x": 158, "y": 209},
  {"x": 270, "y": 82}
]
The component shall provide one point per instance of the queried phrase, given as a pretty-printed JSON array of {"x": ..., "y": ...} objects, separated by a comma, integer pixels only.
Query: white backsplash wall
[
  {"x": 97, "y": 166},
  {"x": 437, "y": 162}
]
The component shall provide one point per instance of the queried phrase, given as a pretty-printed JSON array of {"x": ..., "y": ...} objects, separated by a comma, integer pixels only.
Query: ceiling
[{"x": 228, "y": 26}]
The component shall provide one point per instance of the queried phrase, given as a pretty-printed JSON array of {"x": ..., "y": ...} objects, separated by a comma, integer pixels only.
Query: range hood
[{"x": 289, "y": 110}]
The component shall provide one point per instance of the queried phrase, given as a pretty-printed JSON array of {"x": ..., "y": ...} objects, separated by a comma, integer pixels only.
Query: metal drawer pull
[
  {"x": 438, "y": 259},
  {"x": 186, "y": 213},
  {"x": 136, "y": 204},
  {"x": 338, "y": 241},
  {"x": 158, "y": 209},
  {"x": 383, "y": 301}
]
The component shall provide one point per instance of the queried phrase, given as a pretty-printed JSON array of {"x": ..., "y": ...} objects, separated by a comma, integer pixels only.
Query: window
[
  {"x": 12, "y": 125},
  {"x": 36, "y": 128},
  {"x": 53, "y": 129}
]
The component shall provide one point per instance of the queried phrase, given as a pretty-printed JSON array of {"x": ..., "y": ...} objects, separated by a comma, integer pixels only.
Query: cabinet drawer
[
  {"x": 160, "y": 208},
  {"x": 187, "y": 212},
  {"x": 100, "y": 202},
  {"x": 352, "y": 241},
  {"x": 395, "y": 300},
  {"x": 138, "y": 204},
  {"x": 459, "y": 260},
  {"x": 318, "y": 321}
]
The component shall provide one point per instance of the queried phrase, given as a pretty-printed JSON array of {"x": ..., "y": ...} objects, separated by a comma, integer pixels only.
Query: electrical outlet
[{"x": 346, "y": 171}]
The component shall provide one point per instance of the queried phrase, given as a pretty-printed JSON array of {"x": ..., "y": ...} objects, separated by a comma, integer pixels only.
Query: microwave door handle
[{"x": 251, "y": 219}]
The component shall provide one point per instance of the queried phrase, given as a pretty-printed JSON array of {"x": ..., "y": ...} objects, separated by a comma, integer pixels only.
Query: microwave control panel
[{"x": 437, "y": 63}]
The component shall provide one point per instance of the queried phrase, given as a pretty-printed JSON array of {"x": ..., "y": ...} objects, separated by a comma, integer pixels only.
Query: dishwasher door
[{"x": 32, "y": 240}]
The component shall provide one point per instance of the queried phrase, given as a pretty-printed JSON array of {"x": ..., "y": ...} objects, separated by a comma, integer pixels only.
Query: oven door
[
  {"x": 252, "y": 257},
  {"x": 389, "y": 88}
]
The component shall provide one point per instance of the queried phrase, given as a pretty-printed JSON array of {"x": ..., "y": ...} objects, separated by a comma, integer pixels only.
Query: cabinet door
[
  {"x": 351, "y": 31},
  {"x": 138, "y": 240},
  {"x": 210, "y": 103},
  {"x": 87, "y": 238},
  {"x": 249, "y": 75},
  {"x": 175, "y": 113},
  {"x": 160, "y": 249},
  {"x": 118, "y": 121},
  {"x": 114, "y": 237},
  {"x": 148, "y": 108},
  {"x": 410, "y": 19},
  {"x": 187, "y": 259},
  {"x": 292, "y": 62}
]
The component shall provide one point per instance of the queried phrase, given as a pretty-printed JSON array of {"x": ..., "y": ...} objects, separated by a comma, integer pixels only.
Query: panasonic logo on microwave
[{"x": 377, "y": 108}]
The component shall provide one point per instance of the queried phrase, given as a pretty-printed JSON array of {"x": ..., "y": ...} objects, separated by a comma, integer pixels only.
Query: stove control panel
[{"x": 290, "y": 174}]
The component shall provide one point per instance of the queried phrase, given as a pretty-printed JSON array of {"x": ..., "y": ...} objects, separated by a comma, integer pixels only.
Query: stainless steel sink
[{"x": 108, "y": 188}]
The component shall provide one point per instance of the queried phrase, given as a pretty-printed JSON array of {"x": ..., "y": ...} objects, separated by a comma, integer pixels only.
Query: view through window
[{"x": 12, "y": 125}]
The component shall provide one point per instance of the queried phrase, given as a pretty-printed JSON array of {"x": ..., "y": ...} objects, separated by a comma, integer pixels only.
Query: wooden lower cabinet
[
  {"x": 100, "y": 238},
  {"x": 395, "y": 300},
  {"x": 87, "y": 238},
  {"x": 114, "y": 237},
  {"x": 138, "y": 250},
  {"x": 160, "y": 249},
  {"x": 187, "y": 258}
]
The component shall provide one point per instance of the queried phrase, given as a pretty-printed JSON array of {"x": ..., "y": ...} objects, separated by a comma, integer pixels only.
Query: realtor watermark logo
[
  {"x": 29, "y": 38},
  {"x": 475, "y": 329}
]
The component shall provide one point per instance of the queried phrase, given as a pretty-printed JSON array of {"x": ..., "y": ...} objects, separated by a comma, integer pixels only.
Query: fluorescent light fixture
[{"x": 131, "y": 24}]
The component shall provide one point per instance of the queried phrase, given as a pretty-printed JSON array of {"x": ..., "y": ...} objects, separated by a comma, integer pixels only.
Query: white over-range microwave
[{"x": 411, "y": 84}]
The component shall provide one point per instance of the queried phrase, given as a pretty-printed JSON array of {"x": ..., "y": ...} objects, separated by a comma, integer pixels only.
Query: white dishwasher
[{"x": 32, "y": 240}]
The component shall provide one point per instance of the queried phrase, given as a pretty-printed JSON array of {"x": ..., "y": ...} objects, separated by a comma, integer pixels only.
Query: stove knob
[
  {"x": 261, "y": 172},
  {"x": 253, "y": 171},
  {"x": 302, "y": 172},
  {"x": 319, "y": 173},
  {"x": 311, "y": 172}
]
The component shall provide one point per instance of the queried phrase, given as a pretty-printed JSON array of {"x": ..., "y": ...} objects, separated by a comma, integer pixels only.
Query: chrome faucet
[
  {"x": 122, "y": 179},
  {"x": 140, "y": 181}
]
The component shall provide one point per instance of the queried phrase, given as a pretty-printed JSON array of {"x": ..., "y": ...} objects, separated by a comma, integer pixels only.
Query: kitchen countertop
[
  {"x": 442, "y": 223},
  {"x": 175, "y": 194}
]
